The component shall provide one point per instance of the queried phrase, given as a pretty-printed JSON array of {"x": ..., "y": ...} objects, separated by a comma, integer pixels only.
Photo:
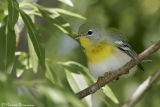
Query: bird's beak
[{"x": 78, "y": 36}]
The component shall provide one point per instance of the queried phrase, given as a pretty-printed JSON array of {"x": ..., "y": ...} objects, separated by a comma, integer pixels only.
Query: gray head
[{"x": 90, "y": 33}]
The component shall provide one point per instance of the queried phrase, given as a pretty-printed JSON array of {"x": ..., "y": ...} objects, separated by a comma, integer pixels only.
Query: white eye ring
[{"x": 90, "y": 32}]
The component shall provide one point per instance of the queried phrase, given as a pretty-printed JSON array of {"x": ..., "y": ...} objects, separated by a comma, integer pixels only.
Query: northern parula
[{"x": 106, "y": 50}]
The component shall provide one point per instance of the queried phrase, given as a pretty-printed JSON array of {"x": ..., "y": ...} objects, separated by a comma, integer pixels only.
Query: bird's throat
[
  {"x": 85, "y": 42},
  {"x": 99, "y": 52}
]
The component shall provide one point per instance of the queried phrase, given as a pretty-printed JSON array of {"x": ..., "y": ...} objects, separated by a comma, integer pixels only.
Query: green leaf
[
  {"x": 2, "y": 46},
  {"x": 78, "y": 68},
  {"x": 67, "y": 2},
  {"x": 12, "y": 13},
  {"x": 101, "y": 96},
  {"x": 7, "y": 46},
  {"x": 60, "y": 95},
  {"x": 77, "y": 85},
  {"x": 66, "y": 12},
  {"x": 109, "y": 93},
  {"x": 21, "y": 63},
  {"x": 56, "y": 19},
  {"x": 35, "y": 37},
  {"x": 53, "y": 16},
  {"x": 51, "y": 75},
  {"x": 8, "y": 37},
  {"x": 89, "y": 79},
  {"x": 71, "y": 81},
  {"x": 33, "y": 59},
  {"x": 76, "y": 81},
  {"x": 26, "y": 93}
]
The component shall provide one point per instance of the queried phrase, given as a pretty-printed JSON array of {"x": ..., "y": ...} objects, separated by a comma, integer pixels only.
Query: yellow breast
[{"x": 99, "y": 52}]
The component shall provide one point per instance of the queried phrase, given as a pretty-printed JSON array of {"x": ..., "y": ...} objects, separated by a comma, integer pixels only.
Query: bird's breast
[
  {"x": 110, "y": 63},
  {"x": 99, "y": 53}
]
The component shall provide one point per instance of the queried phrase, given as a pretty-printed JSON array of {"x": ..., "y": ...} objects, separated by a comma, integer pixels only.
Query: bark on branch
[
  {"x": 123, "y": 70},
  {"x": 142, "y": 89}
]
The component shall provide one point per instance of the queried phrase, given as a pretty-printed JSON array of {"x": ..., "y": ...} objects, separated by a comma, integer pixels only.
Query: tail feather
[{"x": 140, "y": 66}]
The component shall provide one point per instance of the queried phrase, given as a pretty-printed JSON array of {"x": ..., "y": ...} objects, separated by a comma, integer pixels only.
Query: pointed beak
[{"x": 78, "y": 36}]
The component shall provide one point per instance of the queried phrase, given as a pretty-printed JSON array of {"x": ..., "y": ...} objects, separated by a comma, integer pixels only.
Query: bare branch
[
  {"x": 123, "y": 70},
  {"x": 19, "y": 36},
  {"x": 142, "y": 89}
]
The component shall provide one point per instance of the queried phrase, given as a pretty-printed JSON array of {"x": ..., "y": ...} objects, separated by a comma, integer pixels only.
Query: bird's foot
[{"x": 100, "y": 80}]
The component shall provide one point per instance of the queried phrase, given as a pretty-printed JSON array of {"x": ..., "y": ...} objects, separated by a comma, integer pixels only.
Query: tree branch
[
  {"x": 123, "y": 70},
  {"x": 19, "y": 36},
  {"x": 142, "y": 89},
  {"x": 19, "y": 33}
]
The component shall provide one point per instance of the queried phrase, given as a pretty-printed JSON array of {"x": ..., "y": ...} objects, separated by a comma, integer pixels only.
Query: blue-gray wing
[{"x": 125, "y": 47}]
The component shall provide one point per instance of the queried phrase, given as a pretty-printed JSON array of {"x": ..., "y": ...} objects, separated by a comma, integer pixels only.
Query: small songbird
[{"x": 106, "y": 50}]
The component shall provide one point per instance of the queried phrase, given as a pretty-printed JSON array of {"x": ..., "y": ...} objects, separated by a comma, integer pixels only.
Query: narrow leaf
[
  {"x": 57, "y": 20},
  {"x": 2, "y": 46},
  {"x": 8, "y": 37},
  {"x": 51, "y": 75},
  {"x": 77, "y": 82},
  {"x": 35, "y": 37},
  {"x": 12, "y": 13},
  {"x": 109, "y": 93},
  {"x": 67, "y": 2},
  {"x": 60, "y": 95},
  {"x": 90, "y": 80},
  {"x": 33, "y": 59},
  {"x": 7, "y": 46},
  {"x": 71, "y": 81},
  {"x": 21, "y": 63},
  {"x": 66, "y": 12},
  {"x": 101, "y": 96}
]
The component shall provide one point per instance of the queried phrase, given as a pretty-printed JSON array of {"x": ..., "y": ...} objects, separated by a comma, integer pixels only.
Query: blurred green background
[{"x": 138, "y": 20}]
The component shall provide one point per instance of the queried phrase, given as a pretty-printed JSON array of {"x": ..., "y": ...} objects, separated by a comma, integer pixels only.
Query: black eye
[{"x": 89, "y": 32}]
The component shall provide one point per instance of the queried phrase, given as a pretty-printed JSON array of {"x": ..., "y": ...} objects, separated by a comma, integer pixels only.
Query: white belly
[{"x": 111, "y": 64}]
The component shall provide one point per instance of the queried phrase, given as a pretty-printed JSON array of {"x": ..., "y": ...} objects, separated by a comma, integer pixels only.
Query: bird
[{"x": 106, "y": 50}]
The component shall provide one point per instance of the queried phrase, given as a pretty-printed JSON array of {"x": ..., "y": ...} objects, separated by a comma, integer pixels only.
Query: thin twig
[
  {"x": 102, "y": 82},
  {"x": 17, "y": 46},
  {"x": 142, "y": 89},
  {"x": 19, "y": 36}
]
